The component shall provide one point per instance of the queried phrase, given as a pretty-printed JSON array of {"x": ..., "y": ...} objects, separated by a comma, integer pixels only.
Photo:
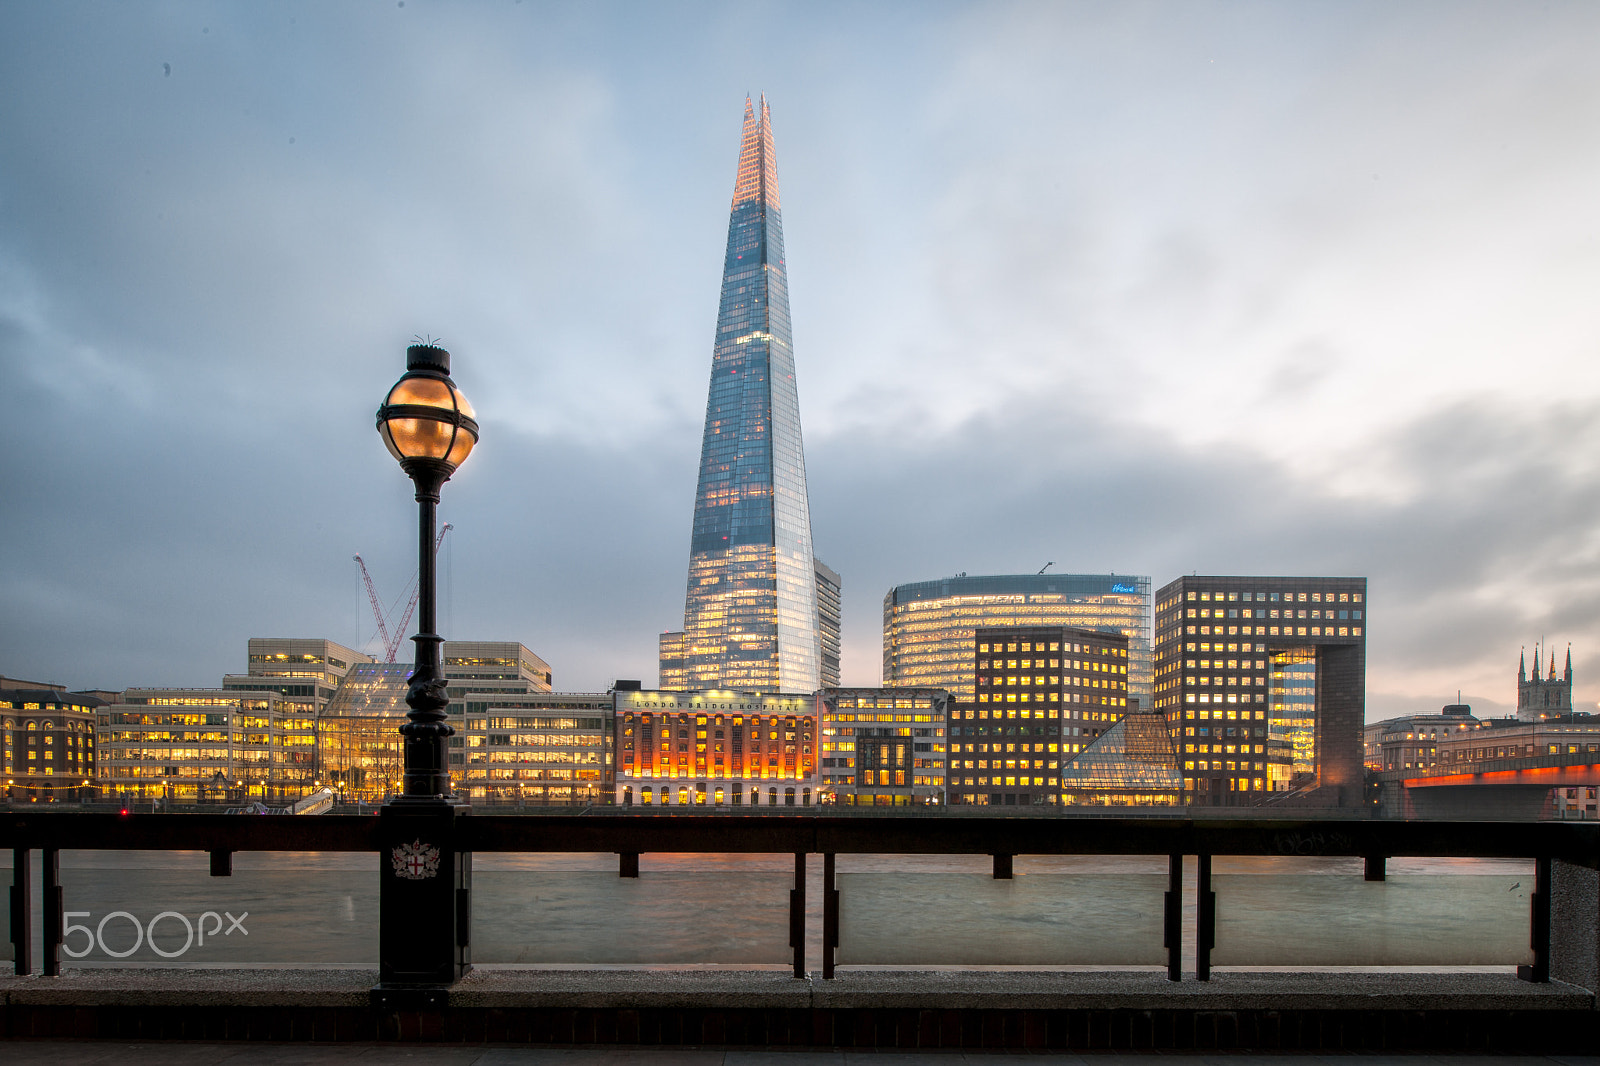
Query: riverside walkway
[{"x": 1186, "y": 956}]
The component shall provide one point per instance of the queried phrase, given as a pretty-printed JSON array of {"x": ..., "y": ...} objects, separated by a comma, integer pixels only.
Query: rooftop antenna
[
  {"x": 1047, "y": 566},
  {"x": 427, "y": 338}
]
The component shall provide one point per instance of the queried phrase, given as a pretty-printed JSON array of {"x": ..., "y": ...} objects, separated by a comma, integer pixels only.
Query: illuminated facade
[
  {"x": 307, "y": 671},
  {"x": 358, "y": 734},
  {"x": 1263, "y": 684},
  {"x": 47, "y": 744},
  {"x": 516, "y": 742},
  {"x": 1043, "y": 693},
  {"x": 1132, "y": 764},
  {"x": 714, "y": 747},
  {"x": 190, "y": 745},
  {"x": 1411, "y": 742},
  {"x": 883, "y": 747},
  {"x": 929, "y": 626},
  {"x": 830, "y": 620},
  {"x": 750, "y": 614}
]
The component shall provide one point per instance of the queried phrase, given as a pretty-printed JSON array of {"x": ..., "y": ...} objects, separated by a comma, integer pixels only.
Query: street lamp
[
  {"x": 425, "y": 878},
  {"x": 429, "y": 427}
]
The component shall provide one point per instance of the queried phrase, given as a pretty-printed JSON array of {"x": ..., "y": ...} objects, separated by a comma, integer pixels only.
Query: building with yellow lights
[
  {"x": 928, "y": 626},
  {"x": 883, "y": 747},
  {"x": 1043, "y": 695},
  {"x": 253, "y": 739},
  {"x": 516, "y": 742},
  {"x": 47, "y": 743},
  {"x": 714, "y": 747},
  {"x": 1263, "y": 684},
  {"x": 186, "y": 745}
]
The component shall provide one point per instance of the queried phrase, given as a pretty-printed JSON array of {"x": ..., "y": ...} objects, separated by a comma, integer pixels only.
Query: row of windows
[
  {"x": 21, "y": 706},
  {"x": 1234, "y": 613},
  {"x": 1056, "y": 646},
  {"x": 1053, "y": 679},
  {"x": 1272, "y": 597},
  {"x": 1288, "y": 631},
  {"x": 1054, "y": 664}
]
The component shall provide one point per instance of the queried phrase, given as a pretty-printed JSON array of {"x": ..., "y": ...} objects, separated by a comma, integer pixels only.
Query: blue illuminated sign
[{"x": 1124, "y": 588}]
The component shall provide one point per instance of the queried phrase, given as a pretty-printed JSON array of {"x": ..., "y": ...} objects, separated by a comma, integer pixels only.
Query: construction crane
[{"x": 394, "y": 636}]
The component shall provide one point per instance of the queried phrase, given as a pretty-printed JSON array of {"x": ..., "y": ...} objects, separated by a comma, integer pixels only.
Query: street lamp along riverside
[
  {"x": 429, "y": 427},
  {"x": 425, "y": 880}
]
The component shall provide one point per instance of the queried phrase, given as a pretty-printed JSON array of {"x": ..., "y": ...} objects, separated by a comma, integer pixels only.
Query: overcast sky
[{"x": 1227, "y": 288}]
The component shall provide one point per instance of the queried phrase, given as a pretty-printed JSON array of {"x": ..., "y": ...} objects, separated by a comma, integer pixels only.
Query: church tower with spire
[
  {"x": 1548, "y": 696},
  {"x": 750, "y": 618}
]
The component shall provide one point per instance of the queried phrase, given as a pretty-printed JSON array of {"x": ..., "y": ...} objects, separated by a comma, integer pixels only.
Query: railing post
[
  {"x": 797, "y": 914},
  {"x": 1205, "y": 926},
  {"x": 1539, "y": 931},
  {"x": 1172, "y": 918},
  {"x": 22, "y": 911},
  {"x": 50, "y": 905},
  {"x": 830, "y": 915}
]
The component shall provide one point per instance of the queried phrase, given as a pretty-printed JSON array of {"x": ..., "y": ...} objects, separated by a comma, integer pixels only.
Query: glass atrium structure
[
  {"x": 750, "y": 615},
  {"x": 1134, "y": 763},
  {"x": 928, "y": 626}
]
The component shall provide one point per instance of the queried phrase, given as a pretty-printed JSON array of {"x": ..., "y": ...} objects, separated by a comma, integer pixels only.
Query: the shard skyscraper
[{"x": 750, "y": 617}]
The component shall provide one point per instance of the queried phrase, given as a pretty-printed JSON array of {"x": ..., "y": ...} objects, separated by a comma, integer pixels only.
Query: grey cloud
[{"x": 1491, "y": 546}]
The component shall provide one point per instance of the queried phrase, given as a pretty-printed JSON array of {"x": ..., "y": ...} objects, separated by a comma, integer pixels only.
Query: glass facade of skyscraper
[
  {"x": 928, "y": 626},
  {"x": 750, "y": 615}
]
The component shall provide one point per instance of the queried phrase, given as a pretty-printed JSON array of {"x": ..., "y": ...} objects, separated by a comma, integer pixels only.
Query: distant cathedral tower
[{"x": 1543, "y": 697}]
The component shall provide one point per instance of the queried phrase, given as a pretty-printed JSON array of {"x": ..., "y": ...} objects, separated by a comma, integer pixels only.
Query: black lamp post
[
  {"x": 425, "y": 878},
  {"x": 428, "y": 425}
]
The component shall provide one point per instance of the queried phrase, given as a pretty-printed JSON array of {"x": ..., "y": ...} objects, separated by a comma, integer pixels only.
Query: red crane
[{"x": 393, "y": 637}]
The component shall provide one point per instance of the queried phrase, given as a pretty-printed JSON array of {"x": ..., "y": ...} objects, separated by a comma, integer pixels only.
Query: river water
[{"x": 691, "y": 910}]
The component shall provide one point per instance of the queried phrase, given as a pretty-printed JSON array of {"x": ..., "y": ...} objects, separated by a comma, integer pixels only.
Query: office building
[
  {"x": 830, "y": 622},
  {"x": 1543, "y": 697},
  {"x": 714, "y": 747},
  {"x": 1488, "y": 745},
  {"x": 929, "y": 626},
  {"x": 306, "y": 671},
  {"x": 750, "y": 613},
  {"x": 1043, "y": 694},
  {"x": 673, "y": 673},
  {"x": 516, "y": 741},
  {"x": 1577, "y": 803},
  {"x": 186, "y": 745},
  {"x": 883, "y": 747},
  {"x": 47, "y": 742},
  {"x": 1250, "y": 667},
  {"x": 1411, "y": 741}
]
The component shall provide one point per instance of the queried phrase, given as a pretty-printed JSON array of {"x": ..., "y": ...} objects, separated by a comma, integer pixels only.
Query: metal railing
[{"x": 803, "y": 834}]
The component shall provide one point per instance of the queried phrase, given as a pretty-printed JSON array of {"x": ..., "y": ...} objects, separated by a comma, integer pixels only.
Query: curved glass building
[{"x": 929, "y": 626}]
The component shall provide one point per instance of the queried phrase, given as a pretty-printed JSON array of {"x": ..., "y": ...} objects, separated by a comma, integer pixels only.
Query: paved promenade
[{"x": 105, "y": 1053}]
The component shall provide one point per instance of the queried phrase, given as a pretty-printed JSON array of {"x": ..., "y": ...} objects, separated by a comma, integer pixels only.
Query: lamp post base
[{"x": 424, "y": 896}]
